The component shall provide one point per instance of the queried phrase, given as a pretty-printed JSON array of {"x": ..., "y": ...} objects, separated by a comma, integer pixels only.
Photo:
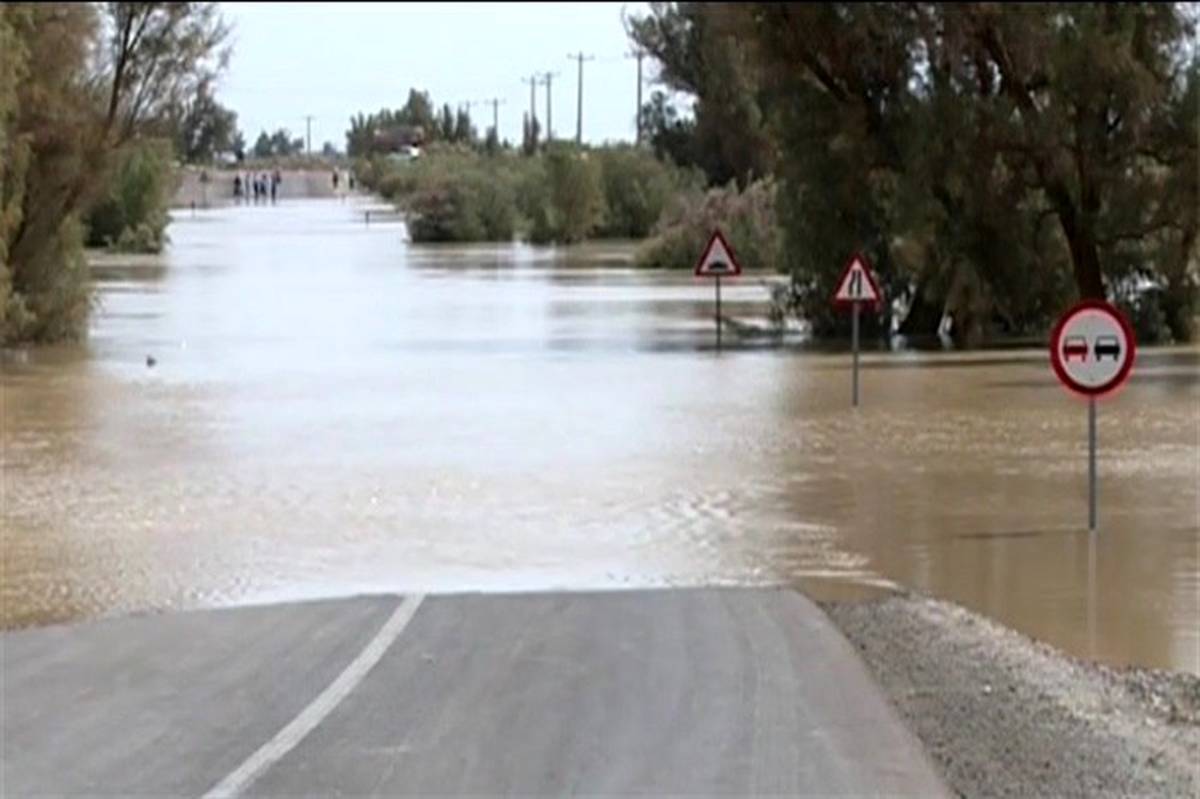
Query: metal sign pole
[
  {"x": 854, "y": 337},
  {"x": 1092, "y": 464},
  {"x": 718, "y": 312}
]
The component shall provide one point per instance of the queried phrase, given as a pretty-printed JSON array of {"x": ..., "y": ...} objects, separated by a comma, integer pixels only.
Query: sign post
[
  {"x": 856, "y": 286},
  {"x": 717, "y": 260},
  {"x": 1092, "y": 350}
]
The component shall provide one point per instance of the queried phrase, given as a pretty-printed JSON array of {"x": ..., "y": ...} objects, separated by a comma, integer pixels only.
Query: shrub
[
  {"x": 563, "y": 196},
  {"x": 131, "y": 215},
  {"x": 747, "y": 218},
  {"x": 454, "y": 197},
  {"x": 637, "y": 188}
]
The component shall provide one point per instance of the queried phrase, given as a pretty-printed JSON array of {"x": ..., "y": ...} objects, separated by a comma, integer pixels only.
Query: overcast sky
[{"x": 332, "y": 60}]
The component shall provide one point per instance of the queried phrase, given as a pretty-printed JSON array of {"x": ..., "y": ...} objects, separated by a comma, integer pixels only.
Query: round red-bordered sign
[{"x": 1092, "y": 348}]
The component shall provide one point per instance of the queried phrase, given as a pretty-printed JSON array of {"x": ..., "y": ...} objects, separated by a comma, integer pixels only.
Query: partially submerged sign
[
  {"x": 1092, "y": 350},
  {"x": 718, "y": 259},
  {"x": 857, "y": 284}
]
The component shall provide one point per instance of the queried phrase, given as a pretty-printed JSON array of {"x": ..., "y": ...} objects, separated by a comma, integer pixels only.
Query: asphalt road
[{"x": 732, "y": 691}]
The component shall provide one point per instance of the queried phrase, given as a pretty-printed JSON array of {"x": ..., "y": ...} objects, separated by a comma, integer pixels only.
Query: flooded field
[{"x": 333, "y": 411}]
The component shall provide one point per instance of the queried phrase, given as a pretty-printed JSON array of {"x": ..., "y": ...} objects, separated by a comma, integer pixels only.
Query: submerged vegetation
[
  {"x": 563, "y": 194},
  {"x": 994, "y": 162}
]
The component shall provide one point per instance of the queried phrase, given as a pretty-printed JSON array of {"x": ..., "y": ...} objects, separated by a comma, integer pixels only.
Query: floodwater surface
[{"x": 335, "y": 411}]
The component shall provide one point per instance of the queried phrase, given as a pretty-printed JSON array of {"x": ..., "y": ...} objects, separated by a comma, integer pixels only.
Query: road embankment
[{"x": 1004, "y": 715}]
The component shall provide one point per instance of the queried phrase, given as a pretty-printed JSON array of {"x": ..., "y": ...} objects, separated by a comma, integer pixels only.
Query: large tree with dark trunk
[{"x": 996, "y": 161}]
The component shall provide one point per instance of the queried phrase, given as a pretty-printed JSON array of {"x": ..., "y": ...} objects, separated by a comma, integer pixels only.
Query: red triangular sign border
[
  {"x": 712, "y": 241},
  {"x": 857, "y": 256}
]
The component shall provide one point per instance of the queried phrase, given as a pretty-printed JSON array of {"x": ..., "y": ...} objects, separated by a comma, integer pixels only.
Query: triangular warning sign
[
  {"x": 857, "y": 283},
  {"x": 718, "y": 259}
]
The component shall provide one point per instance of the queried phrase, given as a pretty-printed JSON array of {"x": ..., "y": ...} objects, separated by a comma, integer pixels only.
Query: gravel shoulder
[{"x": 1003, "y": 715}]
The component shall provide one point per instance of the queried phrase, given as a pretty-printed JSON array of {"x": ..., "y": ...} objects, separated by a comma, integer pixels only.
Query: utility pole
[
  {"x": 495, "y": 102},
  {"x": 639, "y": 54},
  {"x": 547, "y": 79},
  {"x": 580, "y": 57},
  {"x": 533, "y": 82},
  {"x": 308, "y": 133}
]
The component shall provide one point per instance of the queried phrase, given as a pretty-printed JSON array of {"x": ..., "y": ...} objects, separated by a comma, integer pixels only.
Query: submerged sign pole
[
  {"x": 854, "y": 336},
  {"x": 718, "y": 320},
  {"x": 717, "y": 260},
  {"x": 1092, "y": 350},
  {"x": 1092, "y": 464},
  {"x": 856, "y": 286}
]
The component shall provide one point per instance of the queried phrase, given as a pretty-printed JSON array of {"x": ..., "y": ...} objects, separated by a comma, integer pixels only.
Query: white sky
[{"x": 333, "y": 60}]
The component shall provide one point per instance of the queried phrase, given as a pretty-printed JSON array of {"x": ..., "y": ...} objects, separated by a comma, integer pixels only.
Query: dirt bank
[{"x": 1003, "y": 715}]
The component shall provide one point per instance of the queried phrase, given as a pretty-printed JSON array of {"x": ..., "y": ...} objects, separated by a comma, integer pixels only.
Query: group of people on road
[{"x": 258, "y": 188}]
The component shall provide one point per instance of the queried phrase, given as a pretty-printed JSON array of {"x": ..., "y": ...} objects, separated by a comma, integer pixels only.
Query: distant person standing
[
  {"x": 351, "y": 181},
  {"x": 237, "y": 187},
  {"x": 276, "y": 179},
  {"x": 335, "y": 181}
]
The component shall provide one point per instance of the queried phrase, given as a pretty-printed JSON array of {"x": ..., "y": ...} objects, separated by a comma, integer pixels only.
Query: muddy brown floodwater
[{"x": 336, "y": 411}]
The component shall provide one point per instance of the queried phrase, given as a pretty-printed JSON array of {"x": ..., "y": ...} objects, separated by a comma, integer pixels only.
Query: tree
[
  {"x": 205, "y": 128},
  {"x": 993, "y": 163},
  {"x": 464, "y": 131},
  {"x": 698, "y": 55},
  {"x": 529, "y": 135},
  {"x": 328, "y": 150},
  {"x": 446, "y": 123},
  {"x": 263, "y": 146},
  {"x": 97, "y": 77}
]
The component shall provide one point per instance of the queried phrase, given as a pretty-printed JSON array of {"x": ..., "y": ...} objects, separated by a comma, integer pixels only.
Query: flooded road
[{"x": 335, "y": 411}]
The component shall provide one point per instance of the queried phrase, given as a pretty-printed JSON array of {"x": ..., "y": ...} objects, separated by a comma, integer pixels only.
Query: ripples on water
[{"x": 334, "y": 411}]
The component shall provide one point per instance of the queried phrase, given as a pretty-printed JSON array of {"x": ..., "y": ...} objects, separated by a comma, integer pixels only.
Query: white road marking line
[{"x": 308, "y": 719}]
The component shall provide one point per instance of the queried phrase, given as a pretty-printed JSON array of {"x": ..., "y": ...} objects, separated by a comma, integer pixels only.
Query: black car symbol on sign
[
  {"x": 1075, "y": 346},
  {"x": 717, "y": 265},
  {"x": 1107, "y": 345}
]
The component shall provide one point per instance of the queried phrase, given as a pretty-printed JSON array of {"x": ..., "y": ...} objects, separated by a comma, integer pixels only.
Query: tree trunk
[
  {"x": 923, "y": 317},
  {"x": 1085, "y": 254}
]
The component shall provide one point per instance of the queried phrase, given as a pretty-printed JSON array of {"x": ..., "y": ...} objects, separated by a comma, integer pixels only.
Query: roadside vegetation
[
  {"x": 995, "y": 162},
  {"x": 130, "y": 213},
  {"x": 563, "y": 194},
  {"x": 84, "y": 94}
]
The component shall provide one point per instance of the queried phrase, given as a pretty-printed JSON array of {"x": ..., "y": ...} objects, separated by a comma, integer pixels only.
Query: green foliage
[
  {"x": 637, "y": 188},
  {"x": 747, "y": 218},
  {"x": 132, "y": 215},
  {"x": 205, "y": 128},
  {"x": 994, "y": 161},
  {"x": 454, "y": 195},
  {"x": 14, "y": 161},
  {"x": 415, "y": 123},
  {"x": 279, "y": 144},
  {"x": 90, "y": 87},
  {"x": 700, "y": 55},
  {"x": 563, "y": 197}
]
